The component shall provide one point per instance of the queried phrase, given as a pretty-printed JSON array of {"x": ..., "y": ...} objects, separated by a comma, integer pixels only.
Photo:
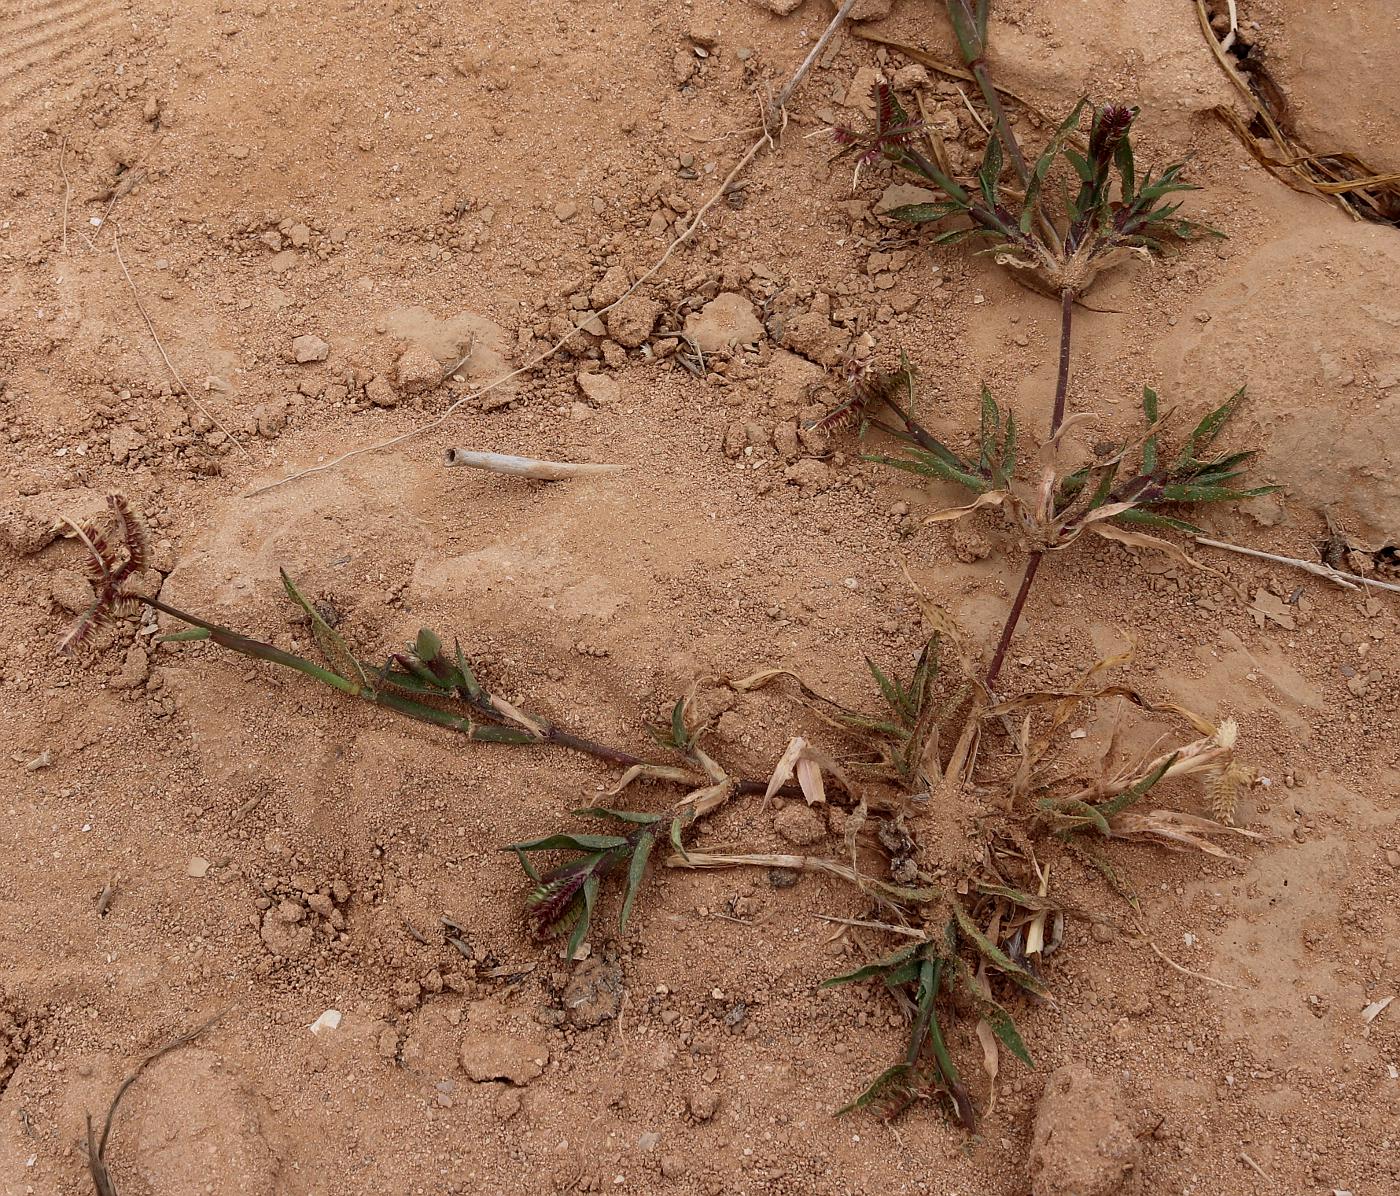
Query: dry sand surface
[{"x": 322, "y": 203}]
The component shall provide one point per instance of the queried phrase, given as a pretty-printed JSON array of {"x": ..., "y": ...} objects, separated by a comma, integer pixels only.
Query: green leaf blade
[
  {"x": 636, "y": 870},
  {"x": 331, "y": 643},
  {"x": 995, "y": 955},
  {"x": 926, "y": 213},
  {"x": 585, "y": 917},
  {"x": 569, "y": 842},
  {"x": 637, "y": 817},
  {"x": 872, "y": 970}
]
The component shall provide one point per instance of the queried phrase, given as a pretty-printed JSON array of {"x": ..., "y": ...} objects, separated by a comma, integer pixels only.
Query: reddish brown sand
[{"x": 402, "y": 179}]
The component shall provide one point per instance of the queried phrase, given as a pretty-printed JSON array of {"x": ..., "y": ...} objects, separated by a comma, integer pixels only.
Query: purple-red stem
[
  {"x": 994, "y": 669},
  {"x": 1057, "y": 417}
]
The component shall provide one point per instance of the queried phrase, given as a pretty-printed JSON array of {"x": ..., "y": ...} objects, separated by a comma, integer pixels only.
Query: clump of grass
[
  {"x": 1066, "y": 804},
  {"x": 976, "y": 943},
  {"x": 564, "y": 897},
  {"x": 1139, "y": 481},
  {"x": 903, "y": 740},
  {"x": 1062, "y": 234},
  {"x": 924, "y": 974}
]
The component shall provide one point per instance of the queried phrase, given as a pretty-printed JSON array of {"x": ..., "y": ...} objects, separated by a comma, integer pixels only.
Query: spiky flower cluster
[
  {"x": 118, "y": 551},
  {"x": 890, "y": 135}
]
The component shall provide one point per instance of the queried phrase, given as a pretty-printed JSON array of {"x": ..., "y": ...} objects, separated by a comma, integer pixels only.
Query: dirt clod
[
  {"x": 487, "y": 1055},
  {"x": 418, "y": 371},
  {"x": 704, "y": 1103},
  {"x": 71, "y": 590},
  {"x": 1083, "y": 1142},
  {"x": 798, "y": 823},
  {"x": 599, "y": 389},
  {"x": 308, "y": 348},
  {"x": 594, "y": 992},
  {"x": 631, "y": 321},
  {"x": 725, "y": 322}
]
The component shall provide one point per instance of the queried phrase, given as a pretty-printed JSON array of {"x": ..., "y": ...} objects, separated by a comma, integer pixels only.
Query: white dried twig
[
  {"x": 1348, "y": 581},
  {"x": 67, "y": 188},
  {"x": 1375, "y": 1009},
  {"x": 792, "y": 85},
  {"x": 524, "y": 467},
  {"x": 1229, "y": 39},
  {"x": 1171, "y": 963}
]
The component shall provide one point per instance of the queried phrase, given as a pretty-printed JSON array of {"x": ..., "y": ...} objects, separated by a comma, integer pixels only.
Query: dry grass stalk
[
  {"x": 879, "y": 889},
  {"x": 1348, "y": 581},
  {"x": 923, "y": 57},
  {"x": 1185, "y": 971},
  {"x": 164, "y": 356},
  {"x": 67, "y": 188},
  {"x": 102, "y": 1180},
  {"x": 1349, "y": 181}
]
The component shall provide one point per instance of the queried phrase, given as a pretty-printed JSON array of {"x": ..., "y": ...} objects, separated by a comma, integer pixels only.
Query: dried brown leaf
[
  {"x": 519, "y": 718},
  {"x": 990, "y": 498},
  {"x": 1111, "y": 531},
  {"x": 991, "y": 1061},
  {"x": 809, "y": 779},
  {"x": 1177, "y": 831},
  {"x": 654, "y": 772},
  {"x": 783, "y": 770}
]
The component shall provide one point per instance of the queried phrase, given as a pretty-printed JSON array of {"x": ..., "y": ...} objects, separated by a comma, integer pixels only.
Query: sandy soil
[{"x": 410, "y": 180}]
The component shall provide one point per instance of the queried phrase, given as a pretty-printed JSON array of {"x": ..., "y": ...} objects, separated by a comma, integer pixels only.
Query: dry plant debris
[
  {"x": 1353, "y": 184},
  {"x": 96, "y": 1144}
]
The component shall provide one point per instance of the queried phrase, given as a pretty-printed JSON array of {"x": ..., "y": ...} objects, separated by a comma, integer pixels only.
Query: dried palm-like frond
[{"x": 118, "y": 550}]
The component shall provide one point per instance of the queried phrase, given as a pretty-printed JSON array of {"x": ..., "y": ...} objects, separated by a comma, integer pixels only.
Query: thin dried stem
[
  {"x": 1013, "y": 618},
  {"x": 803, "y": 863},
  {"x": 97, "y": 1146},
  {"x": 866, "y": 924},
  {"x": 67, "y": 188},
  {"x": 1057, "y": 417},
  {"x": 1348, "y": 581},
  {"x": 807, "y": 63},
  {"x": 169, "y": 365},
  {"x": 1258, "y": 1170},
  {"x": 1171, "y": 963}
]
